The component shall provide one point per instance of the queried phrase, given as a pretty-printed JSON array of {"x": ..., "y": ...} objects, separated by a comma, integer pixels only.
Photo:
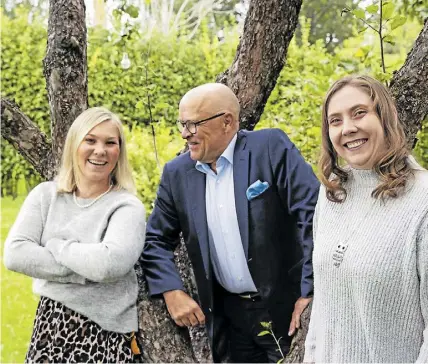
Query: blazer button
[
  {"x": 206, "y": 277},
  {"x": 209, "y": 309}
]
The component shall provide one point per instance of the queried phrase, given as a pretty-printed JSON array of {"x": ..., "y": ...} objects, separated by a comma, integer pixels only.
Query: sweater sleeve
[
  {"x": 422, "y": 265},
  {"x": 310, "y": 342},
  {"x": 23, "y": 252},
  {"x": 115, "y": 255}
]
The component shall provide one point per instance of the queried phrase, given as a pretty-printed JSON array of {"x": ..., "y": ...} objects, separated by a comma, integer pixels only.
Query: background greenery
[{"x": 174, "y": 64}]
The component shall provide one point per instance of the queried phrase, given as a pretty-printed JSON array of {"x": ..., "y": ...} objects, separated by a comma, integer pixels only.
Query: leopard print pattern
[{"x": 61, "y": 335}]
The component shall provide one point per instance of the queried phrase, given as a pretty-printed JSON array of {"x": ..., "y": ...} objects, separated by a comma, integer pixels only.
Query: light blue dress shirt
[{"x": 226, "y": 249}]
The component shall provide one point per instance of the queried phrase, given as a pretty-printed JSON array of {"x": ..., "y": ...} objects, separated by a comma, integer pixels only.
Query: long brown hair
[{"x": 391, "y": 165}]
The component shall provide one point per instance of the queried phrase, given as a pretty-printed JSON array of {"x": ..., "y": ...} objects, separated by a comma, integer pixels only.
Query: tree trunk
[
  {"x": 260, "y": 57},
  {"x": 163, "y": 341},
  {"x": 410, "y": 87},
  {"x": 65, "y": 68}
]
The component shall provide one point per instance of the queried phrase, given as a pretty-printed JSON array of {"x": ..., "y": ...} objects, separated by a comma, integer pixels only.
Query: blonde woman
[
  {"x": 370, "y": 253},
  {"x": 79, "y": 238}
]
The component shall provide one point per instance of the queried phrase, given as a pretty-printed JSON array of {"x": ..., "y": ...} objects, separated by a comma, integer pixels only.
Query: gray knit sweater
[
  {"x": 81, "y": 257},
  {"x": 370, "y": 275}
]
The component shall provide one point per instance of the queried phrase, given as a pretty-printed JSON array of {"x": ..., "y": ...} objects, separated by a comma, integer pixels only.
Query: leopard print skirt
[{"x": 61, "y": 335}]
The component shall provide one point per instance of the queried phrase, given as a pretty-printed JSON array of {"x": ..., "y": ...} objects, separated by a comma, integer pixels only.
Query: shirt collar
[{"x": 227, "y": 154}]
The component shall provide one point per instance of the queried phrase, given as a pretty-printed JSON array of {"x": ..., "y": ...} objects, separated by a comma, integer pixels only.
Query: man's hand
[
  {"x": 299, "y": 307},
  {"x": 183, "y": 309}
]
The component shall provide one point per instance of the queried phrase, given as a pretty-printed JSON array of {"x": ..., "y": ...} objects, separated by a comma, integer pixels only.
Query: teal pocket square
[{"x": 256, "y": 189}]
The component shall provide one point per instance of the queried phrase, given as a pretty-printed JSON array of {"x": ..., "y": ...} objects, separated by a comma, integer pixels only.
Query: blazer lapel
[
  {"x": 241, "y": 162},
  {"x": 196, "y": 189}
]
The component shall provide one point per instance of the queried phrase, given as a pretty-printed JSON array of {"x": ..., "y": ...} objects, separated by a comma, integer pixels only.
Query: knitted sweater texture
[
  {"x": 370, "y": 275},
  {"x": 81, "y": 257}
]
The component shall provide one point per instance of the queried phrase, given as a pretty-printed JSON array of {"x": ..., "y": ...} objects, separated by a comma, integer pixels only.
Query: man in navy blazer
[{"x": 244, "y": 202}]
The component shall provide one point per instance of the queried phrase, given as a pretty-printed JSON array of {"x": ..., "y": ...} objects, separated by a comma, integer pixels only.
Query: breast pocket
[{"x": 262, "y": 201}]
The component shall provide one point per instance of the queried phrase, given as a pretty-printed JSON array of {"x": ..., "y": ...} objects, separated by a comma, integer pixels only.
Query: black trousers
[{"x": 245, "y": 317}]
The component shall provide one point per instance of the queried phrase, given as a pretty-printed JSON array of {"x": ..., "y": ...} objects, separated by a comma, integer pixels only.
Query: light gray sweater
[
  {"x": 81, "y": 257},
  {"x": 370, "y": 275}
]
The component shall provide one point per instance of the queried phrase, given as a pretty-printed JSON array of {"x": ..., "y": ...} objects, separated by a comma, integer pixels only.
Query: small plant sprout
[{"x": 267, "y": 326}]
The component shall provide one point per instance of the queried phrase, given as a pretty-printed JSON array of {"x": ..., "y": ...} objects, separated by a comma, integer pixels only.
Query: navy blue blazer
[{"x": 276, "y": 227}]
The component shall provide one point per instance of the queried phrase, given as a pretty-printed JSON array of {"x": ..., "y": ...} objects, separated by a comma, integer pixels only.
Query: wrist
[{"x": 172, "y": 293}]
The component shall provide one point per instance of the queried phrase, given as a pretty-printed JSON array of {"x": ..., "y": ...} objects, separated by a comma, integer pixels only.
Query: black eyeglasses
[{"x": 191, "y": 125}]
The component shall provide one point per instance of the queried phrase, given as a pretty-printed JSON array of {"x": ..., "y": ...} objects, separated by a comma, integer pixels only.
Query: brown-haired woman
[{"x": 370, "y": 234}]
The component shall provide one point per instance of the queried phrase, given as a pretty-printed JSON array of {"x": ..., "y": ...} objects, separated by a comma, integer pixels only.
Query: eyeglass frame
[{"x": 182, "y": 125}]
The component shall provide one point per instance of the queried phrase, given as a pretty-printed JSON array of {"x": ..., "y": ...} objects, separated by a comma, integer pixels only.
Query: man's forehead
[{"x": 194, "y": 107}]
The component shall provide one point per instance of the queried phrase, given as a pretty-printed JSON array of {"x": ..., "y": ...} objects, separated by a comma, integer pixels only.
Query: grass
[{"x": 18, "y": 303}]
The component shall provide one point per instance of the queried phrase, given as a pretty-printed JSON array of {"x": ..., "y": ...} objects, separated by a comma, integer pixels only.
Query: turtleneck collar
[{"x": 363, "y": 177}]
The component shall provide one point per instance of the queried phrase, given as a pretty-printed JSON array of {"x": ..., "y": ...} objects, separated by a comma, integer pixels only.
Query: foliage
[
  {"x": 327, "y": 22},
  {"x": 331, "y": 25},
  {"x": 381, "y": 18},
  {"x": 175, "y": 65},
  {"x": 295, "y": 104},
  {"x": 173, "y": 17},
  {"x": 143, "y": 160},
  {"x": 414, "y": 9}
]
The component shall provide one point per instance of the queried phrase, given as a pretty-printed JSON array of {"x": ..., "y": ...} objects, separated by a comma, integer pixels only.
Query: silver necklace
[
  {"x": 339, "y": 252},
  {"x": 93, "y": 201}
]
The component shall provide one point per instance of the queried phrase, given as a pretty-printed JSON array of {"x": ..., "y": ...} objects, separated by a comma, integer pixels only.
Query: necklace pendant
[{"x": 339, "y": 254}]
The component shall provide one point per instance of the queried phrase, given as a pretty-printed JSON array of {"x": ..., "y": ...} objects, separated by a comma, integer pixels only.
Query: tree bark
[
  {"x": 65, "y": 68},
  {"x": 410, "y": 87},
  {"x": 27, "y": 138},
  {"x": 260, "y": 57},
  {"x": 163, "y": 341}
]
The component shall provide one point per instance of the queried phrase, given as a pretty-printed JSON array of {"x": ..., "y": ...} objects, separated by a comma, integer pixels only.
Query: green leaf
[
  {"x": 345, "y": 11},
  {"x": 372, "y": 9},
  {"x": 266, "y": 325},
  {"x": 162, "y": 105},
  {"x": 263, "y": 333},
  {"x": 280, "y": 361},
  {"x": 139, "y": 105},
  {"x": 397, "y": 21},
  {"x": 359, "y": 13},
  {"x": 360, "y": 53},
  {"x": 387, "y": 10},
  {"x": 132, "y": 10},
  {"x": 389, "y": 39}
]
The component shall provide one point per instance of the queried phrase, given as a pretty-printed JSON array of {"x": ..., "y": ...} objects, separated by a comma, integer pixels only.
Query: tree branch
[
  {"x": 27, "y": 138},
  {"x": 410, "y": 87},
  {"x": 260, "y": 57}
]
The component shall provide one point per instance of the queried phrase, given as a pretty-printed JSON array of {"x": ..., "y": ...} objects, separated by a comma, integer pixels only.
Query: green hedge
[{"x": 174, "y": 66}]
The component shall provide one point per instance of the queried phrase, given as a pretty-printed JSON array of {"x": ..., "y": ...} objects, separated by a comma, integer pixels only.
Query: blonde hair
[
  {"x": 69, "y": 172},
  {"x": 391, "y": 165}
]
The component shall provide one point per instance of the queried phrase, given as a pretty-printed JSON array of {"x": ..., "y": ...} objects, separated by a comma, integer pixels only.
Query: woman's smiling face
[
  {"x": 354, "y": 127},
  {"x": 98, "y": 152}
]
